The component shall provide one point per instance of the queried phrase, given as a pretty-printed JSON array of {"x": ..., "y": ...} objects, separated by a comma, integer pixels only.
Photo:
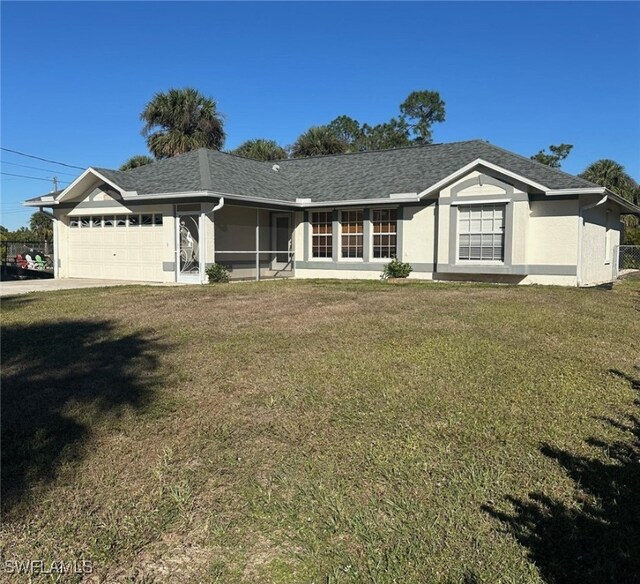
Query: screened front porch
[{"x": 254, "y": 243}]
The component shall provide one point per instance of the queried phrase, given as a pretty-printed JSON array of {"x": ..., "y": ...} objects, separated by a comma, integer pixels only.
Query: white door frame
[
  {"x": 275, "y": 264},
  {"x": 191, "y": 278}
]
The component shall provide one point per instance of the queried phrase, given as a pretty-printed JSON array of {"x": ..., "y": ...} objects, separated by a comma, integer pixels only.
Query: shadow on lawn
[
  {"x": 58, "y": 380},
  {"x": 598, "y": 538}
]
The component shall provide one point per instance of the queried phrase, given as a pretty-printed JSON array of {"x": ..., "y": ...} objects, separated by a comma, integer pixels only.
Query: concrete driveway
[{"x": 12, "y": 287}]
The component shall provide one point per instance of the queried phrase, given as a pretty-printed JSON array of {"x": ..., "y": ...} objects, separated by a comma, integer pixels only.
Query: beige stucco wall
[
  {"x": 553, "y": 233},
  {"x": 418, "y": 234},
  {"x": 597, "y": 250}
]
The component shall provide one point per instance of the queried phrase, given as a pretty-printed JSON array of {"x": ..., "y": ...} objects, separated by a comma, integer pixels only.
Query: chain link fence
[
  {"x": 628, "y": 257},
  {"x": 26, "y": 259}
]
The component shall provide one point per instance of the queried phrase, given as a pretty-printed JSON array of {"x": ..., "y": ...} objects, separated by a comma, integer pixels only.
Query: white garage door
[{"x": 120, "y": 247}]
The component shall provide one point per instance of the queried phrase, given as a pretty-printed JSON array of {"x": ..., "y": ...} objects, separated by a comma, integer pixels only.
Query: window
[
  {"x": 481, "y": 232},
  {"x": 321, "y": 234},
  {"x": 157, "y": 219},
  {"x": 134, "y": 220},
  {"x": 109, "y": 222},
  {"x": 96, "y": 221},
  {"x": 74, "y": 222},
  {"x": 384, "y": 233},
  {"x": 352, "y": 233},
  {"x": 84, "y": 222},
  {"x": 121, "y": 220},
  {"x": 146, "y": 220}
]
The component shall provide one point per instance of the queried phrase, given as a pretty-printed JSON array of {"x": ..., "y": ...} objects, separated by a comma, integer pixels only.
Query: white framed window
[
  {"x": 109, "y": 221},
  {"x": 74, "y": 222},
  {"x": 85, "y": 222},
  {"x": 96, "y": 221},
  {"x": 121, "y": 220},
  {"x": 352, "y": 234},
  {"x": 146, "y": 220},
  {"x": 157, "y": 219},
  {"x": 385, "y": 233},
  {"x": 134, "y": 220},
  {"x": 321, "y": 234},
  {"x": 481, "y": 233}
]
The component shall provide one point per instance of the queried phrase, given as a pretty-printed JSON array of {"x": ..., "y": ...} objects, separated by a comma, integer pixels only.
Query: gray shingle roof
[{"x": 362, "y": 175}]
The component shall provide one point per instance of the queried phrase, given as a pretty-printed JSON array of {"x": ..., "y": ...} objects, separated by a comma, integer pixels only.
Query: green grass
[{"x": 325, "y": 431}]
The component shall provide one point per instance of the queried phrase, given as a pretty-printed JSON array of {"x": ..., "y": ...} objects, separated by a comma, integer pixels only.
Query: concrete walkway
[{"x": 13, "y": 287}]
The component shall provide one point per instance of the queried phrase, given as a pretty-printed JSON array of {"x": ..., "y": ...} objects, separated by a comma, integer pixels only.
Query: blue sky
[{"x": 75, "y": 76}]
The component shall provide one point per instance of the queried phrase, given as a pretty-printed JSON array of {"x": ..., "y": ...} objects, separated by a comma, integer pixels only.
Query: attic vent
[{"x": 275, "y": 167}]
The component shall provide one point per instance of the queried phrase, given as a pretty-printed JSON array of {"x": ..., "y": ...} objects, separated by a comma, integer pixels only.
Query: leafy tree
[
  {"x": 316, "y": 141},
  {"x": 611, "y": 175},
  {"x": 555, "y": 156},
  {"x": 349, "y": 131},
  {"x": 136, "y": 161},
  {"x": 420, "y": 111},
  {"x": 181, "y": 120},
  {"x": 3, "y": 232},
  {"x": 260, "y": 149},
  {"x": 391, "y": 134},
  {"x": 41, "y": 226}
]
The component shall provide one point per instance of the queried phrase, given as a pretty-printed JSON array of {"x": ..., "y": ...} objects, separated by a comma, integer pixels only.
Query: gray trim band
[
  {"x": 357, "y": 266},
  {"x": 516, "y": 270}
]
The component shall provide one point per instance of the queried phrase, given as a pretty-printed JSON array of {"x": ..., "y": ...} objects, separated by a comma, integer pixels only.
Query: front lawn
[{"x": 324, "y": 432}]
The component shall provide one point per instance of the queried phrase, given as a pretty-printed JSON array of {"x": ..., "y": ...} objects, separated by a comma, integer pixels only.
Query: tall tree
[
  {"x": 555, "y": 156},
  {"x": 260, "y": 149},
  {"x": 41, "y": 226},
  {"x": 349, "y": 131},
  {"x": 391, "y": 134},
  {"x": 420, "y": 111},
  {"x": 316, "y": 141},
  {"x": 136, "y": 161},
  {"x": 181, "y": 120},
  {"x": 611, "y": 175}
]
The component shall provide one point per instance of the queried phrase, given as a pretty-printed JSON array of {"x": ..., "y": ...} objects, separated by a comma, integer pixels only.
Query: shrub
[
  {"x": 217, "y": 273},
  {"x": 396, "y": 269}
]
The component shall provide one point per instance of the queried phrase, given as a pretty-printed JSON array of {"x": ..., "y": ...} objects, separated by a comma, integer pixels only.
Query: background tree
[
  {"x": 611, "y": 175},
  {"x": 420, "y": 111},
  {"x": 317, "y": 141},
  {"x": 3, "y": 233},
  {"x": 261, "y": 149},
  {"x": 41, "y": 226},
  {"x": 391, "y": 134},
  {"x": 555, "y": 156},
  {"x": 136, "y": 161},
  {"x": 181, "y": 120},
  {"x": 349, "y": 131}
]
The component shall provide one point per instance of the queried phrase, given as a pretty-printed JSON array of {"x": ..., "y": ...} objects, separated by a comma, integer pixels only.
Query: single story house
[{"x": 459, "y": 211}]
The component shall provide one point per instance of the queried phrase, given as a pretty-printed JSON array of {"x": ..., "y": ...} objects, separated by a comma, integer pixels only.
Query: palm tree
[
  {"x": 261, "y": 149},
  {"x": 181, "y": 120},
  {"x": 136, "y": 161},
  {"x": 317, "y": 141},
  {"x": 611, "y": 175}
]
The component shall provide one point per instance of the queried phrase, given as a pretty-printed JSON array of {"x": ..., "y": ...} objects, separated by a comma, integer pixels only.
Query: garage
[{"x": 116, "y": 247}]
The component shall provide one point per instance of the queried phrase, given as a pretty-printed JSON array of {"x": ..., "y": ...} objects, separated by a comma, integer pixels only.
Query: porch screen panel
[
  {"x": 321, "y": 234},
  {"x": 352, "y": 234},
  {"x": 481, "y": 232},
  {"x": 385, "y": 232}
]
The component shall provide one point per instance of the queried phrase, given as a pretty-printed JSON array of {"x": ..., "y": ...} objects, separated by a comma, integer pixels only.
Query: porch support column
[{"x": 257, "y": 244}]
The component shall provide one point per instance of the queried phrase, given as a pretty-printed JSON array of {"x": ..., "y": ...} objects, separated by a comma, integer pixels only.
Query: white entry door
[
  {"x": 189, "y": 264},
  {"x": 281, "y": 241}
]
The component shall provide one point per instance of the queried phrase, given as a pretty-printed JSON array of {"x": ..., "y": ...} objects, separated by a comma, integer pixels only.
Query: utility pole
[{"x": 55, "y": 184}]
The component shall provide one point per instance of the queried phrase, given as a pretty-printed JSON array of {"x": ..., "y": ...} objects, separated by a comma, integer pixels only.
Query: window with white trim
[
  {"x": 481, "y": 233},
  {"x": 352, "y": 225},
  {"x": 321, "y": 234},
  {"x": 384, "y": 233}
]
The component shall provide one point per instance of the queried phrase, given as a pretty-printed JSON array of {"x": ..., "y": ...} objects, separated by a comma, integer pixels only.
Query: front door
[
  {"x": 281, "y": 230},
  {"x": 188, "y": 238}
]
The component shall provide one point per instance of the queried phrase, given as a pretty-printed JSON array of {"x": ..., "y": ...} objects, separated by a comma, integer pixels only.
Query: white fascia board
[
  {"x": 471, "y": 166},
  {"x": 481, "y": 202},
  {"x": 360, "y": 202},
  {"x": 587, "y": 191},
  {"x": 95, "y": 173}
]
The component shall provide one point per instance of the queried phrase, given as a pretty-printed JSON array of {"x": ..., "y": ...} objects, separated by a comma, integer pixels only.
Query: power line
[
  {"x": 43, "y": 159},
  {"x": 38, "y": 168},
  {"x": 31, "y": 177}
]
